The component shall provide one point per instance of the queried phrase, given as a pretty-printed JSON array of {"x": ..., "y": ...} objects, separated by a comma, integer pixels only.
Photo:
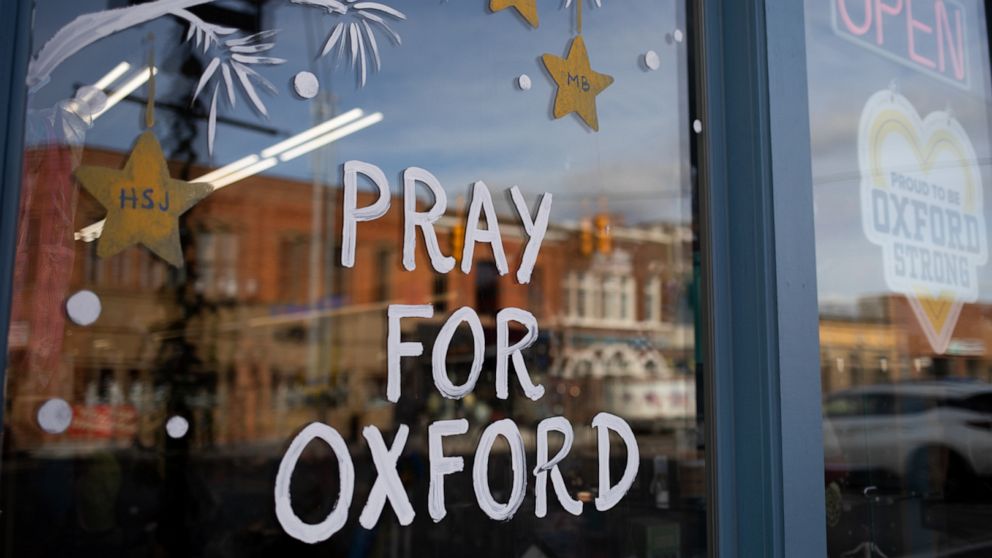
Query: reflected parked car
[{"x": 933, "y": 437}]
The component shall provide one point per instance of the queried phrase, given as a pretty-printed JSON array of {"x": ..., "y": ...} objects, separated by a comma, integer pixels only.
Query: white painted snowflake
[
  {"x": 235, "y": 55},
  {"x": 234, "y": 58},
  {"x": 354, "y": 37}
]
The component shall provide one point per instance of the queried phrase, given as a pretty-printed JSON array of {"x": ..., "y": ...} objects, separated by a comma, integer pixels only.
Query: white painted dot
[
  {"x": 523, "y": 82},
  {"x": 83, "y": 308},
  {"x": 177, "y": 427},
  {"x": 678, "y": 36},
  {"x": 55, "y": 416},
  {"x": 652, "y": 60},
  {"x": 697, "y": 126},
  {"x": 306, "y": 85}
]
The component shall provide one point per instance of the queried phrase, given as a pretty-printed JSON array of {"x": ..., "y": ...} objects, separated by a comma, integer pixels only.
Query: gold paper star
[
  {"x": 526, "y": 8},
  {"x": 143, "y": 202},
  {"x": 578, "y": 85}
]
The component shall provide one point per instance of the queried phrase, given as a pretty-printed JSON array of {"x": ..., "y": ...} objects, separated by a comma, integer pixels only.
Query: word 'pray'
[{"x": 481, "y": 206}]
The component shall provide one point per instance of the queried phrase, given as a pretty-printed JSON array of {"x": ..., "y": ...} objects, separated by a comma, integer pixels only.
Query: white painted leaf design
[
  {"x": 380, "y": 7},
  {"x": 361, "y": 52},
  {"x": 261, "y": 79},
  {"x": 207, "y": 74},
  {"x": 353, "y": 32},
  {"x": 252, "y": 49},
  {"x": 212, "y": 122},
  {"x": 333, "y": 6},
  {"x": 228, "y": 84},
  {"x": 382, "y": 23},
  {"x": 254, "y": 38},
  {"x": 235, "y": 57},
  {"x": 372, "y": 43},
  {"x": 245, "y": 59},
  {"x": 353, "y": 36},
  {"x": 333, "y": 39},
  {"x": 249, "y": 89}
]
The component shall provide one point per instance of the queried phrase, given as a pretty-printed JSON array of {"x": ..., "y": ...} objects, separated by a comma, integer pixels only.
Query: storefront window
[
  {"x": 900, "y": 105},
  {"x": 390, "y": 279}
]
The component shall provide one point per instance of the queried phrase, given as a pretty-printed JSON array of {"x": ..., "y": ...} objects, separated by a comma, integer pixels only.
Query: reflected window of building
[
  {"x": 91, "y": 264},
  {"x": 226, "y": 263},
  {"x": 206, "y": 250},
  {"x": 572, "y": 295},
  {"x": 537, "y": 298},
  {"x": 439, "y": 292},
  {"x": 606, "y": 300},
  {"x": 583, "y": 295},
  {"x": 487, "y": 288},
  {"x": 294, "y": 276},
  {"x": 591, "y": 295},
  {"x": 652, "y": 299},
  {"x": 383, "y": 274},
  {"x": 339, "y": 277},
  {"x": 216, "y": 264}
]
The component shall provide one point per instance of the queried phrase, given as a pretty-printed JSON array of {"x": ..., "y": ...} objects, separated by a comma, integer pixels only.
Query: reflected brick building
[
  {"x": 880, "y": 340},
  {"x": 263, "y": 331}
]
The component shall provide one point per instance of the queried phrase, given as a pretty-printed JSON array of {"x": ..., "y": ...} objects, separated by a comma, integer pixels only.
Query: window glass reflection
[
  {"x": 160, "y": 427},
  {"x": 899, "y": 113}
]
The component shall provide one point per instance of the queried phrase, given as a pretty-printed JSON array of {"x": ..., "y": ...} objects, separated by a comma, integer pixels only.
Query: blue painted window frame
[
  {"x": 14, "y": 54},
  {"x": 762, "y": 383},
  {"x": 763, "y": 391}
]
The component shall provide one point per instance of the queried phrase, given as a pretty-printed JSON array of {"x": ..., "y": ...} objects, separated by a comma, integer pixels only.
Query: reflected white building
[{"x": 618, "y": 333}]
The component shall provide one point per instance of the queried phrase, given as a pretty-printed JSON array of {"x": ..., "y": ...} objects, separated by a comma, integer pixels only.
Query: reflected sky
[
  {"x": 842, "y": 76},
  {"x": 449, "y": 99}
]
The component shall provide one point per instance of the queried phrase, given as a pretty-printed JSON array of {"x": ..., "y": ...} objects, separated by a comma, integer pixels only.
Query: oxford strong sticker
[{"x": 921, "y": 201}]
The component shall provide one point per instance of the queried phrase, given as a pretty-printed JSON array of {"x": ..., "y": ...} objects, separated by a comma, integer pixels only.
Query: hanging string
[
  {"x": 578, "y": 15},
  {"x": 150, "y": 107}
]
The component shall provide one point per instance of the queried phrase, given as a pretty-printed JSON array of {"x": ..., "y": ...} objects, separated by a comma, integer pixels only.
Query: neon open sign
[{"x": 927, "y": 35}]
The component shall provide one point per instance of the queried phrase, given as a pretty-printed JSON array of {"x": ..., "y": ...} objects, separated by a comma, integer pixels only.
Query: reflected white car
[{"x": 916, "y": 431}]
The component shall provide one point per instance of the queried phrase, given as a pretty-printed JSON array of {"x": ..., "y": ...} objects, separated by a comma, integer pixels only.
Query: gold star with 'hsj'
[
  {"x": 526, "y": 8},
  {"x": 143, "y": 202},
  {"x": 577, "y": 83}
]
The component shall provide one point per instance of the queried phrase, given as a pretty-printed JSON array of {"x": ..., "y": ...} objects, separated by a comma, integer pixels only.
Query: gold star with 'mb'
[
  {"x": 577, "y": 83},
  {"x": 143, "y": 201},
  {"x": 526, "y": 8}
]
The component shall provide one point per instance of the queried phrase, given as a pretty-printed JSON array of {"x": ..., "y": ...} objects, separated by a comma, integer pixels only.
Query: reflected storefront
[
  {"x": 590, "y": 278},
  {"x": 901, "y": 151}
]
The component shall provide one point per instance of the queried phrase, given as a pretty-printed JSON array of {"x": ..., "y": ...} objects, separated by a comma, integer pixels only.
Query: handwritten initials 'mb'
[{"x": 580, "y": 81}]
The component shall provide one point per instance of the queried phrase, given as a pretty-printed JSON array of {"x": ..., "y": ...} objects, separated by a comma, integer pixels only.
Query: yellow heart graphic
[
  {"x": 936, "y": 145},
  {"x": 896, "y": 122}
]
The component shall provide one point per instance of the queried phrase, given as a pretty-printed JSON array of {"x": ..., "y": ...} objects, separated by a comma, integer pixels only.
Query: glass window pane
[
  {"x": 209, "y": 255},
  {"x": 900, "y": 106}
]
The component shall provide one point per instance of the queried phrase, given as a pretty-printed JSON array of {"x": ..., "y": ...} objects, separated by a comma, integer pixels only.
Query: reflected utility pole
[{"x": 323, "y": 107}]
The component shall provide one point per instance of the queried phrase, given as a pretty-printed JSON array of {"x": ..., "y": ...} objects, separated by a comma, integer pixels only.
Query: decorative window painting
[{"x": 337, "y": 276}]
